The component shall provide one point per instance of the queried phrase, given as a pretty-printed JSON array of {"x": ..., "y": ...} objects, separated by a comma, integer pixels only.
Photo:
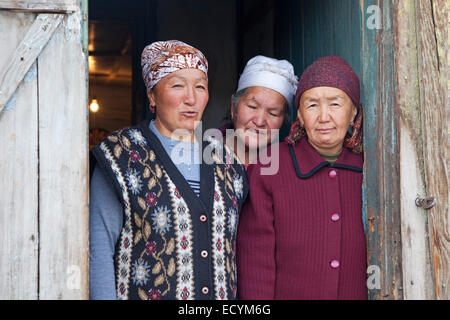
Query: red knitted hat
[{"x": 331, "y": 71}]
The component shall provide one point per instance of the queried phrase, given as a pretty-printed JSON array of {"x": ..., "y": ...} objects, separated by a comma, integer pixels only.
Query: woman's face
[
  {"x": 326, "y": 114},
  {"x": 180, "y": 99},
  {"x": 257, "y": 112}
]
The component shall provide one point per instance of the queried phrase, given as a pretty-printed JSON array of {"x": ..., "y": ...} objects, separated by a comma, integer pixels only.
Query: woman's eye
[
  {"x": 177, "y": 85},
  {"x": 312, "y": 105},
  {"x": 201, "y": 87},
  {"x": 251, "y": 106},
  {"x": 335, "y": 104}
]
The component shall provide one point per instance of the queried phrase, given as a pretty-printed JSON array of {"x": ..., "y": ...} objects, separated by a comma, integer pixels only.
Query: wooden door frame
[
  {"x": 48, "y": 19},
  {"x": 407, "y": 143},
  {"x": 381, "y": 153},
  {"x": 55, "y": 225},
  {"x": 393, "y": 113}
]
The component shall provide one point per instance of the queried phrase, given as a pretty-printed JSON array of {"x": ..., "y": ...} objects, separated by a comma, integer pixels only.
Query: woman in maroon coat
[{"x": 301, "y": 232}]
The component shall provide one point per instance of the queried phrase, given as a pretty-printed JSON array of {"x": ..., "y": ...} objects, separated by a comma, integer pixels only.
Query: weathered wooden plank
[
  {"x": 432, "y": 34},
  {"x": 26, "y": 53},
  {"x": 417, "y": 279},
  {"x": 19, "y": 173},
  {"x": 63, "y": 143},
  {"x": 41, "y": 6},
  {"x": 381, "y": 149}
]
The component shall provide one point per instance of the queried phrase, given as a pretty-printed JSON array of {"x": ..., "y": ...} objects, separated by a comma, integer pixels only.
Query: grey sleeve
[{"x": 105, "y": 224}]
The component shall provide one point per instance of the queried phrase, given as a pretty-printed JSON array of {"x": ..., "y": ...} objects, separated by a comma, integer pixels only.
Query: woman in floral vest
[{"x": 163, "y": 219}]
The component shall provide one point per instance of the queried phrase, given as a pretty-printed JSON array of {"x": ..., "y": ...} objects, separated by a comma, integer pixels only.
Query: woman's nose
[
  {"x": 324, "y": 115},
  {"x": 260, "y": 119},
  {"x": 189, "y": 97}
]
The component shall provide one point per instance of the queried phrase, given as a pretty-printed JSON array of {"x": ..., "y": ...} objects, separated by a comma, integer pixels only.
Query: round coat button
[
  {"x": 334, "y": 264},
  {"x": 204, "y": 253},
  {"x": 203, "y": 218},
  {"x": 332, "y": 174},
  {"x": 335, "y": 217},
  {"x": 205, "y": 290}
]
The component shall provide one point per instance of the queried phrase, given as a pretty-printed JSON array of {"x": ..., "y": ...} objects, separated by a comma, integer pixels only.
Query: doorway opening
[
  {"x": 229, "y": 33},
  {"x": 110, "y": 75}
]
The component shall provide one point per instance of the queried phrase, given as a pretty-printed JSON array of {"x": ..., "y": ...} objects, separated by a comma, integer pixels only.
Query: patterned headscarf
[
  {"x": 161, "y": 58},
  {"x": 331, "y": 71}
]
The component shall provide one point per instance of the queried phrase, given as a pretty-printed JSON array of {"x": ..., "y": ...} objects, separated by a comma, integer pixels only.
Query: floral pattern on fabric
[
  {"x": 156, "y": 254},
  {"x": 184, "y": 244},
  {"x": 161, "y": 220},
  {"x": 238, "y": 185},
  {"x": 134, "y": 181},
  {"x": 218, "y": 233},
  {"x": 140, "y": 272}
]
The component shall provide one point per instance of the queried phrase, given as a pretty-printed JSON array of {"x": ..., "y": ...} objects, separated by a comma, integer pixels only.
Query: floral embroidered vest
[{"x": 173, "y": 244}]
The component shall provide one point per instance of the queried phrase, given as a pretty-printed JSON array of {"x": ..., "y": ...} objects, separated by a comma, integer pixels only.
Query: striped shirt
[{"x": 185, "y": 156}]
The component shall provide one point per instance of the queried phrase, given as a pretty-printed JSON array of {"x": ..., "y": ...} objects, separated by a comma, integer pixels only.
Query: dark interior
[{"x": 228, "y": 32}]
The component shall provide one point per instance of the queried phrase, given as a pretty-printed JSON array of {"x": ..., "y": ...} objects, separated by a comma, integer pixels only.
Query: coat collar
[{"x": 307, "y": 161}]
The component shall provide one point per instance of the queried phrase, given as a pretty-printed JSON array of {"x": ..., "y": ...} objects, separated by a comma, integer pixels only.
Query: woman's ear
[
  {"x": 151, "y": 98},
  {"x": 354, "y": 113},
  {"x": 233, "y": 111},
  {"x": 299, "y": 116}
]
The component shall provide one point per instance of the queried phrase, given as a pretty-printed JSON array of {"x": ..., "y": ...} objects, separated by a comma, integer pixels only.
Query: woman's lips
[
  {"x": 325, "y": 130},
  {"x": 257, "y": 132},
  {"x": 189, "y": 114}
]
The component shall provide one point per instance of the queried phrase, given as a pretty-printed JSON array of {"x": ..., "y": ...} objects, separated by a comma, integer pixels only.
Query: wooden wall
[
  {"x": 421, "y": 73},
  {"x": 381, "y": 151},
  {"x": 404, "y": 74},
  {"x": 19, "y": 165},
  {"x": 43, "y": 150}
]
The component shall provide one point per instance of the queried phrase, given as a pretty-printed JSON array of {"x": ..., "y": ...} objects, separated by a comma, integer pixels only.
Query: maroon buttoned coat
[{"x": 301, "y": 233}]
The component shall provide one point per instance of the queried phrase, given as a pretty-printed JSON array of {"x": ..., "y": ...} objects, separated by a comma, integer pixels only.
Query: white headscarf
[{"x": 274, "y": 74}]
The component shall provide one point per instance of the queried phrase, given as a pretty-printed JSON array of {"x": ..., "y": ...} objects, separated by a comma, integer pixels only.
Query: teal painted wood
[
  {"x": 372, "y": 206},
  {"x": 381, "y": 173}
]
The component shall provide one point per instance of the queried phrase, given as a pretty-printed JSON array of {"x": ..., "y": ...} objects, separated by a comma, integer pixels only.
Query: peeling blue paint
[
  {"x": 381, "y": 175},
  {"x": 11, "y": 104},
  {"x": 364, "y": 208},
  {"x": 32, "y": 74}
]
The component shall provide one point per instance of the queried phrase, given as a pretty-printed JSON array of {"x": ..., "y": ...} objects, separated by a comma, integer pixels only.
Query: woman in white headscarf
[{"x": 260, "y": 106}]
